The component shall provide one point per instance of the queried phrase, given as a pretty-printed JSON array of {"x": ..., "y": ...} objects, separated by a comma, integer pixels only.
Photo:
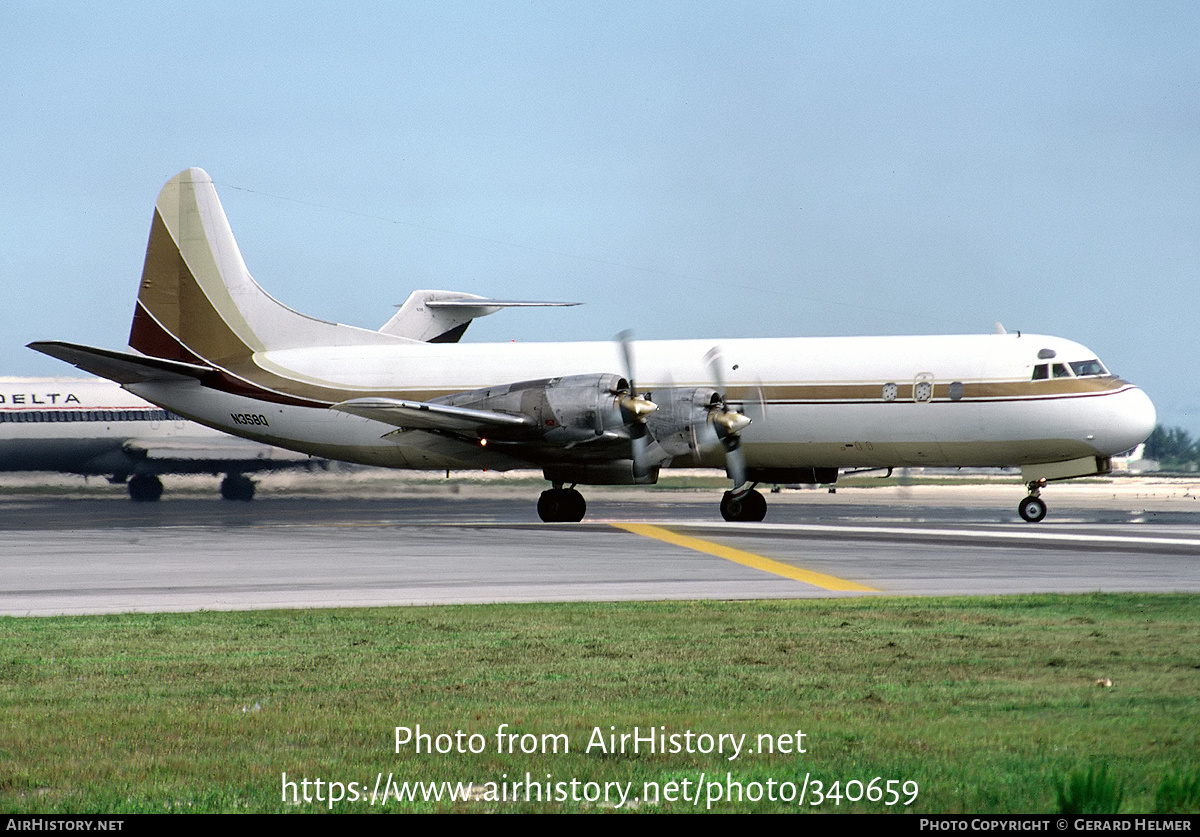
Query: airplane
[
  {"x": 210, "y": 344},
  {"x": 94, "y": 427}
]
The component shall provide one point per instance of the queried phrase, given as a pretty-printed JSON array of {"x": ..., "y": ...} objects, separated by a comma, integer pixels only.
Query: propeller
[
  {"x": 729, "y": 423},
  {"x": 636, "y": 408}
]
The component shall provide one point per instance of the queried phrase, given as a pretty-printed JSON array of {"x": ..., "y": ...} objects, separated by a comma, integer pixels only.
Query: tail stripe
[{"x": 197, "y": 302}]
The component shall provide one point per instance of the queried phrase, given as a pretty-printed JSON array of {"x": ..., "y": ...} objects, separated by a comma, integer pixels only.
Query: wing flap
[{"x": 422, "y": 415}]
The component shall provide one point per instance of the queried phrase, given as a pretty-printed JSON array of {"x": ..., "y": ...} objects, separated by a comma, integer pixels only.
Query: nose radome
[{"x": 1133, "y": 420}]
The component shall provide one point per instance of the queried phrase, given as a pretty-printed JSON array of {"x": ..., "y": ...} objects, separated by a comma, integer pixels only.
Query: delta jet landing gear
[
  {"x": 145, "y": 488},
  {"x": 237, "y": 487},
  {"x": 561, "y": 505},
  {"x": 1033, "y": 508},
  {"x": 148, "y": 488}
]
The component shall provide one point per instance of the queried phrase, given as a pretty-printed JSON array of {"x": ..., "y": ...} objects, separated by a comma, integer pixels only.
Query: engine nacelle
[
  {"x": 644, "y": 432},
  {"x": 573, "y": 408},
  {"x": 682, "y": 424}
]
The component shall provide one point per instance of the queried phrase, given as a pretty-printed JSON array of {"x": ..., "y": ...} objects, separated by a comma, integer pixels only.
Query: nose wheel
[{"x": 1033, "y": 508}]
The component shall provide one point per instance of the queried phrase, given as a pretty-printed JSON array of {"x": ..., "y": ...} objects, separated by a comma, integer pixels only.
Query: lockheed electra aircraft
[
  {"x": 209, "y": 344},
  {"x": 94, "y": 428}
]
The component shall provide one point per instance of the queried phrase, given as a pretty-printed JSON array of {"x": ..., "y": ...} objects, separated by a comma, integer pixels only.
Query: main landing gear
[
  {"x": 1033, "y": 508},
  {"x": 561, "y": 505},
  {"x": 749, "y": 507},
  {"x": 566, "y": 505}
]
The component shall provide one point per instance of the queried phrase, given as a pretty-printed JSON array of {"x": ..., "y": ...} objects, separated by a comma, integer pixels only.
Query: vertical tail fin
[{"x": 197, "y": 301}]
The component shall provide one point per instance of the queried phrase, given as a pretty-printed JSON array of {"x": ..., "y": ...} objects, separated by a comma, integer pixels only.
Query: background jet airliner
[
  {"x": 93, "y": 427},
  {"x": 211, "y": 345}
]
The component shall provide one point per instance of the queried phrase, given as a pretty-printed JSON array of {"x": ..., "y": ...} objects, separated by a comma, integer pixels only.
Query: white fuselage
[{"x": 815, "y": 402}]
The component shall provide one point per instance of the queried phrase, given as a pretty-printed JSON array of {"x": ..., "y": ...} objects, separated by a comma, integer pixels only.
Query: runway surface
[{"x": 83, "y": 554}]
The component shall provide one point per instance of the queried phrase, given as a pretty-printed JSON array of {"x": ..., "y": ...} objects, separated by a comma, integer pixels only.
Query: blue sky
[{"x": 684, "y": 169}]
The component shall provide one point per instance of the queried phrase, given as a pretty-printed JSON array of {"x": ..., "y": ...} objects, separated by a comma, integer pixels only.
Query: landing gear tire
[
  {"x": 751, "y": 507},
  {"x": 145, "y": 488},
  {"x": 561, "y": 505},
  {"x": 237, "y": 487},
  {"x": 1032, "y": 509}
]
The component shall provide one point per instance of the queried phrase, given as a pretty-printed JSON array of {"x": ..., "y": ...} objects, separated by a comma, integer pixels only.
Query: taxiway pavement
[{"x": 79, "y": 554}]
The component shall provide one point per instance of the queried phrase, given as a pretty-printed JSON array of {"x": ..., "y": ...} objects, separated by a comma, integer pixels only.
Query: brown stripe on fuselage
[
  {"x": 245, "y": 377},
  {"x": 976, "y": 391}
]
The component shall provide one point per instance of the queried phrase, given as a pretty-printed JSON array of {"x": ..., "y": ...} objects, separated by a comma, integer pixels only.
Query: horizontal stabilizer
[
  {"x": 421, "y": 415},
  {"x": 443, "y": 316},
  {"x": 497, "y": 303},
  {"x": 122, "y": 367}
]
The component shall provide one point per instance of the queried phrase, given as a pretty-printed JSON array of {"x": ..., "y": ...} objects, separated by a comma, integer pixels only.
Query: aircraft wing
[
  {"x": 422, "y": 415},
  {"x": 213, "y": 451},
  {"x": 122, "y": 367}
]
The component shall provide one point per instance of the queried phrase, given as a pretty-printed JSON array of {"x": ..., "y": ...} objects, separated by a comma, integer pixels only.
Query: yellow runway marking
[{"x": 747, "y": 559}]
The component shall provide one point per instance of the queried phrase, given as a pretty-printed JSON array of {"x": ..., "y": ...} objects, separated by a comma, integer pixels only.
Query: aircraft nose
[{"x": 1131, "y": 421}]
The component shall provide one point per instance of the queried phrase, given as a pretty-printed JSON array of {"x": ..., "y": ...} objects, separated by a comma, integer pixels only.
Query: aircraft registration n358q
[{"x": 210, "y": 344}]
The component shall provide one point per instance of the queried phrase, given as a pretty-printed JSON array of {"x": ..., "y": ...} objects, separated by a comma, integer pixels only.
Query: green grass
[
  {"x": 1178, "y": 794},
  {"x": 1093, "y": 792},
  {"x": 985, "y": 703}
]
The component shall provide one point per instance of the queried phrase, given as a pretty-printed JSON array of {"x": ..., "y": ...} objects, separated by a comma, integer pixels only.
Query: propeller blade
[
  {"x": 756, "y": 409},
  {"x": 625, "y": 338},
  {"x": 716, "y": 367},
  {"x": 735, "y": 462},
  {"x": 639, "y": 444},
  {"x": 729, "y": 423},
  {"x": 637, "y": 407}
]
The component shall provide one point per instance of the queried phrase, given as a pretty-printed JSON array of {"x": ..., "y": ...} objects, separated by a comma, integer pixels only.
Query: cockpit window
[
  {"x": 1088, "y": 367},
  {"x": 1079, "y": 368}
]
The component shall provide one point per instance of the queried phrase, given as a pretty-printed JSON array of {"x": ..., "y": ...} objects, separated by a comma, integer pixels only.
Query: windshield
[{"x": 1079, "y": 369}]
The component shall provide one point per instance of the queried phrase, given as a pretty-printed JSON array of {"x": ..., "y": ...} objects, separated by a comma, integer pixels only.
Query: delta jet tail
[{"x": 208, "y": 343}]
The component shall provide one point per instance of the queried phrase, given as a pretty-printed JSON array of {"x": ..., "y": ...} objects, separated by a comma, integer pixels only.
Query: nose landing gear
[{"x": 1033, "y": 508}]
